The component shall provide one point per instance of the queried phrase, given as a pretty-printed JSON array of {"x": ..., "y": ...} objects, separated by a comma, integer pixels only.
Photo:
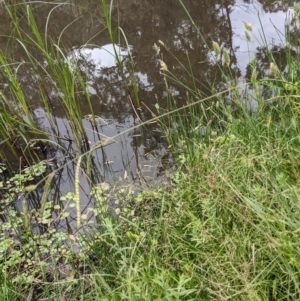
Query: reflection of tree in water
[
  {"x": 167, "y": 21},
  {"x": 145, "y": 22},
  {"x": 288, "y": 46},
  {"x": 273, "y": 6},
  {"x": 281, "y": 55}
]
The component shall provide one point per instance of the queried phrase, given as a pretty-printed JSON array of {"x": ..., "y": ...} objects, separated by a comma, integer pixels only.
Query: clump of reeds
[{"x": 49, "y": 62}]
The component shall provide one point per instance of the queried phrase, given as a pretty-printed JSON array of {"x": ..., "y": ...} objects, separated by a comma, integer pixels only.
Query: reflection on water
[
  {"x": 102, "y": 57},
  {"x": 79, "y": 27}
]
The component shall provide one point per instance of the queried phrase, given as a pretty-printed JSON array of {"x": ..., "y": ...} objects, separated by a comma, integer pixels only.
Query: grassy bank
[{"x": 226, "y": 227}]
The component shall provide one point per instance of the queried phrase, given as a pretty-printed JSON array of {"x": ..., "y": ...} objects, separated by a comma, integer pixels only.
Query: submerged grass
[{"x": 226, "y": 228}]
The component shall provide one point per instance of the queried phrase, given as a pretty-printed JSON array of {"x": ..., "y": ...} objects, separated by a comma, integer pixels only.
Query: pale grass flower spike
[
  {"x": 274, "y": 70},
  {"x": 248, "y": 26},
  {"x": 163, "y": 66},
  {"x": 216, "y": 48}
]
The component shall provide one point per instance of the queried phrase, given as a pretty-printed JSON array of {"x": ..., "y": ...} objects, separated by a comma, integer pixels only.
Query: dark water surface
[{"x": 81, "y": 29}]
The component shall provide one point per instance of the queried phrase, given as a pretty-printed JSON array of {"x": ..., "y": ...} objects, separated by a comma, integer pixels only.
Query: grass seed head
[
  {"x": 274, "y": 70},
  {"x": 248, "y": 26},
  {"x": 155, "y": 47},
  {"x": 216, "y": 48},
  {"x": 226, "y": 57},
  {"x": 163, "y": 66}
]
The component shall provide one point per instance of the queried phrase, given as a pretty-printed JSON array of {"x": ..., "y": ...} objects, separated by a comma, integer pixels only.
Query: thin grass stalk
[
  {"x": 47, "y": 105},
  {"x": 47, "y": 24},
  {"x": 87, "y": 95},
  {"x": 77, "y": 191},
  {"x": 191, "y": 71},
  {"x": 12, "y": 17},
  {"x": 112, "y": 33},
  {"x": 265, "y": 42},
  {"x": 35, "y": 30},
  {"x": 12, "y": 125},
  {"x": 18, "y": 95},
  {"x": 47, "y": 188},
  {"x": 26, "y": 216},
  {"x": 131, "y": 70}
]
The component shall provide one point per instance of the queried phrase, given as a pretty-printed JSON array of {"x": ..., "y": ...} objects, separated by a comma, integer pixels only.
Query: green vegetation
[
  {"x": 53, "y": 72},
  {"x": 226, "y": 227}
]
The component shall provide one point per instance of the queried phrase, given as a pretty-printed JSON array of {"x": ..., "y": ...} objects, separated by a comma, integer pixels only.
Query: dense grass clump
[
  {"x": 228, "y": 227},
  {"x": 225, "y": 229}
]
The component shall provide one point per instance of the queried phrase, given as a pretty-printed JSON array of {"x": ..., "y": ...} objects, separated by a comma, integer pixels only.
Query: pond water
[{"x": 79, "y": 26}]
